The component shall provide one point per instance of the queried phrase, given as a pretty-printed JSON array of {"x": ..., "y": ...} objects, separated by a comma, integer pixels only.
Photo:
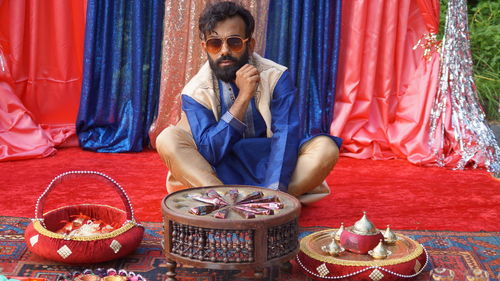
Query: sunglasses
[{"x": 234, "y": 43}]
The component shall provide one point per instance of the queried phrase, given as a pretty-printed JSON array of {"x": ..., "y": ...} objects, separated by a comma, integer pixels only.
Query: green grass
[{"x": 484, "y": 27}]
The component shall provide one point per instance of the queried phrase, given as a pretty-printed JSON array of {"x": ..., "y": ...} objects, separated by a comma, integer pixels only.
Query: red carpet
[{"x": 392, "y": 192}]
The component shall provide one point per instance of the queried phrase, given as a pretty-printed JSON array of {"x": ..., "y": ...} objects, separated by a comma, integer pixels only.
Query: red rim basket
[
  {"x": 411, "y": 260},
  {"x": 42, "y": 239}
]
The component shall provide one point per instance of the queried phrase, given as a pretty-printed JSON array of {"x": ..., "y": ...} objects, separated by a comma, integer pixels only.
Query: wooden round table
[{"x": 230, "y": 227}]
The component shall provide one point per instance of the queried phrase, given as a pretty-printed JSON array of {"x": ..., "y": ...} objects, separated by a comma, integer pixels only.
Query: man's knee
[
  {"x": 171, "y": 139},
  {"x": 331, "y": 150},
  {"x": 324, "y": 149}
]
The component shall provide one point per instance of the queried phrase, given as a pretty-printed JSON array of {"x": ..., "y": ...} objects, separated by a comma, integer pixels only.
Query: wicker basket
[{"x": 41, "y": 238}]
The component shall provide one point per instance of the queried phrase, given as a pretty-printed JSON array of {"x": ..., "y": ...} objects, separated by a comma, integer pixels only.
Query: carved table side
[{"x": 236, "y": 241}]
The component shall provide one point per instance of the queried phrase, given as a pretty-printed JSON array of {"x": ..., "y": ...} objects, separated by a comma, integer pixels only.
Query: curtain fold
[
  {"x": 429, "y": 9},
  {"x": 41, "y": 50},
  {"x": 386, "y": 87},
  {"x": 305, "y": 36},
  {"x": 20, "y": 136},
  {"x": 121, "y": 74},
  {"x": 182, "y": 55}
]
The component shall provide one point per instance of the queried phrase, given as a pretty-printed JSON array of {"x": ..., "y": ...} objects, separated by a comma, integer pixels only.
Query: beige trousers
[{"x": 188, "y": 168}]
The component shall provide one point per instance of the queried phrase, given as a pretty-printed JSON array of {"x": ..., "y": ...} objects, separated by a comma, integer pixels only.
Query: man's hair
[{"x": 221, "y": 11}]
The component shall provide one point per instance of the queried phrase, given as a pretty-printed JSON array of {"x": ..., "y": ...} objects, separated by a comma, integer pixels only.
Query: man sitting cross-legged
[{"x": 239, "y": 122}]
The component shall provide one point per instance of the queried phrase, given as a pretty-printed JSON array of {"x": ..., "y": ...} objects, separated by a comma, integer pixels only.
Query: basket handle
[{"x": 40, "y": 203}]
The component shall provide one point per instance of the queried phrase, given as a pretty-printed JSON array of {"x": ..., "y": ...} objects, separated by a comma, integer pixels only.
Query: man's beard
[{"x": 228, "y": 73}]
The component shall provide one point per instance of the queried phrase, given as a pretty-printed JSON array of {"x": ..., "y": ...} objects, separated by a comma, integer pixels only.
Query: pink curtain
[
  {"x": 182, "y": 55},
  {"x": 430, "y": 13},
  {"x": 16, "y": 122},
  {"x": 41, "y": 51},
  {"x": 386, "y": 88}
]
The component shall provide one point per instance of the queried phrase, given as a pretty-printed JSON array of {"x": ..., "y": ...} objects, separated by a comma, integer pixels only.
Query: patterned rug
[{"x": 459, "y": 251}]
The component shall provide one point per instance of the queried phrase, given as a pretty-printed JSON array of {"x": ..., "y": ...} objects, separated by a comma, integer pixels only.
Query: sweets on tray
[{"x": 82, "y": 225}]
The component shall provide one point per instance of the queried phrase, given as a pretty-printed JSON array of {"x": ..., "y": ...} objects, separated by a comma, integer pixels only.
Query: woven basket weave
[{"x": 42, "y": 239}]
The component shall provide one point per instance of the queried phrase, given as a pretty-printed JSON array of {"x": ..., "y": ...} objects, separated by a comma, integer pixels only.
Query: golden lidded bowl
[{"x": 362, "y": 237}]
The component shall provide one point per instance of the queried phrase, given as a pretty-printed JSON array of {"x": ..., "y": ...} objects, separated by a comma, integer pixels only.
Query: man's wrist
[
  {"x": 245, "y": 95},
  {"x": 239, "y": 108}
]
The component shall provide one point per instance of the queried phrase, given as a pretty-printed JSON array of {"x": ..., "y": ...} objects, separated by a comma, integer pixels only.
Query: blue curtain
[
  {"x": 304, "y": 35},
  {"x": 121, "y": 74}
]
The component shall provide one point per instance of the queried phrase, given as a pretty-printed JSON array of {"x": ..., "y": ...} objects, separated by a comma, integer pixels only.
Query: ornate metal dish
[{"x": 407, "y": 260}]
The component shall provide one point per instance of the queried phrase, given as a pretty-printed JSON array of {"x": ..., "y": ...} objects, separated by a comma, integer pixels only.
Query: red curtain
[
  {"x": 386, "y": 87},
  {"x": 41, "y": 53}
]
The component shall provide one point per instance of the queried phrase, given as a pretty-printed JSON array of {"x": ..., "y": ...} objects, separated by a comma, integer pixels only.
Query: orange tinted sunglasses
[{"x": 234, "y": 43}]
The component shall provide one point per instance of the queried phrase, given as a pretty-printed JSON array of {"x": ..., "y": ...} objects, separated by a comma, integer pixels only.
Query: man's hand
[{"x": 247, "y": 80}]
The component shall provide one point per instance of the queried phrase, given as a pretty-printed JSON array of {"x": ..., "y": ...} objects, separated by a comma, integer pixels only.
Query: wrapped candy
[{"x": 83, "y": 225}]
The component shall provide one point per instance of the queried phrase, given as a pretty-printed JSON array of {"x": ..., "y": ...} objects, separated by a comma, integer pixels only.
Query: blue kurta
[{"x": 238, "y": 150}]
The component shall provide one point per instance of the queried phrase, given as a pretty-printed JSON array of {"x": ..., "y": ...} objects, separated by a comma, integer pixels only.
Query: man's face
[{"x": 226, "y": 61}]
